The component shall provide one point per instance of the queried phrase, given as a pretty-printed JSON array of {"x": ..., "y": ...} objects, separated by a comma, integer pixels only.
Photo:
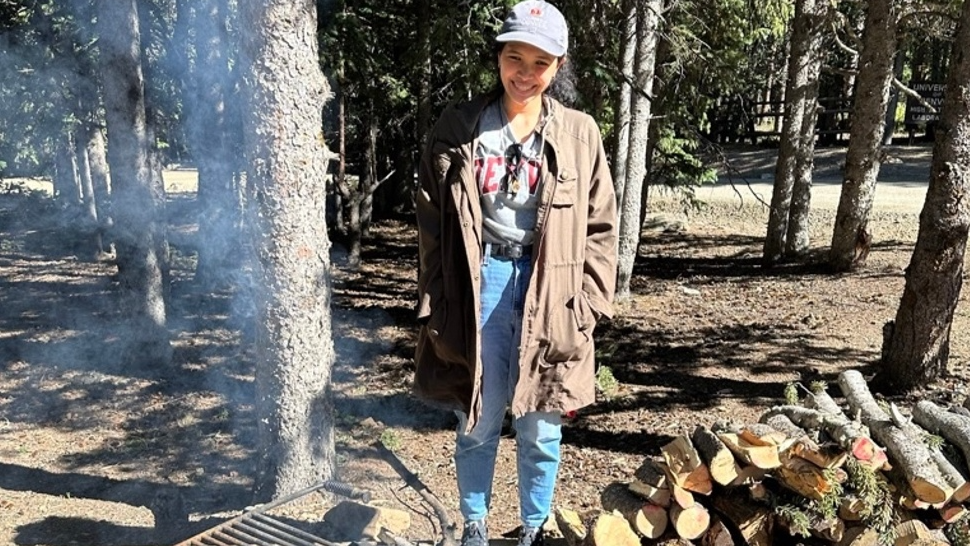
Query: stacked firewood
[{"x": 808, "y": 472}]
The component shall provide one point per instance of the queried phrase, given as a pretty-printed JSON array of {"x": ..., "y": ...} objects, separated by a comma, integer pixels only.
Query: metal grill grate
[{"x": 256, "y": 527}]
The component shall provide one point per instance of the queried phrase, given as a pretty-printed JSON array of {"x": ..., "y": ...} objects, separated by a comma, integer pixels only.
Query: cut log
[
  {"x": 851, "y": 435},
  {"x": 914, "y": 532},
  {"x": 759, "y": 492},
  {"x": 827, "y": 529},
  {"x": 355, "y": 519},
  {"x": 720, "y": 461},
  {"x": 804, "y": 478},
  {"x": 915, "y": 459},
  {"x": 783, "y": 424},
  {"x": 656, "y": 495},
  {"x": 761, "y": 434},
  {"x": 860, "y": 536},
  {"x": 821, "y": 401},
  {"x": 953, "y": 475},
  {"x": 690, "y": 523},
  {"x": 952, "y": 513},
  {"x": 685, "y": 467},
  {"x": 962, "y": 410},
  {"x": 652, "y": 472},
  {"x": 611, "y": 529},
  {"x": 571, "y": 526},
  {"x": 851, "y": 508},
  {"x": 954, "y": 428},
  {"x": 824, "y": 456},
  {"x": 761, "y": 456},
  {"x": 750, "y": 475},
  {"x": 753, "y": 521},
  {"x": 717, "y": 534},
  {"x": 646, "y": 519},
  {"x": 680, "y": 496},
  {"x": 651, "y": 482}
]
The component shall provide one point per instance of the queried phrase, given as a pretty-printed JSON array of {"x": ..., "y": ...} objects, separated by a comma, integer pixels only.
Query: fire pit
[{"x": 257, "y": 527}]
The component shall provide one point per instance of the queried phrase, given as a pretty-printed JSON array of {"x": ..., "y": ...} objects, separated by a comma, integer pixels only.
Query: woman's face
[{"x": 526, "y": 71}]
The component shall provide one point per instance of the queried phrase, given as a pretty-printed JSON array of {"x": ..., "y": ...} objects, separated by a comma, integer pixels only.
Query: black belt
[{"x": 513, "y": 250}]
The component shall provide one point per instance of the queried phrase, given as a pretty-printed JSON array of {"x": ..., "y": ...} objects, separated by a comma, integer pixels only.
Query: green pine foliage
[
  {"x": 874, "y": 492},
  {"x": 606, "y": 382}
]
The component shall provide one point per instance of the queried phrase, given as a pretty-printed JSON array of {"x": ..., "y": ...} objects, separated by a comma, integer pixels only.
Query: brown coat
[{"x": 574, "y": 266}]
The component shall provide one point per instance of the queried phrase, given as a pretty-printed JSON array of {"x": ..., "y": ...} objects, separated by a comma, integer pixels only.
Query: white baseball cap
[{"x": 536, "y": 23}]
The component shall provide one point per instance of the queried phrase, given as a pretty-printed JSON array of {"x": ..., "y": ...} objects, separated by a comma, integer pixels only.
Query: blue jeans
[{"x": 537, "y": 434}]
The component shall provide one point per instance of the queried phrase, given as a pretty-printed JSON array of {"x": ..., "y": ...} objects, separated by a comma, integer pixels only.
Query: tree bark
[
  {"x": 951, "y": 426},
  {"x": 918, "y": 346},
  {"x": 720, "y": 461},
  {"x": 911, "y": 457},
  {"x": 217, "y": 193},
  {"x": 647, "y": 519},
  {"x": 67, "y": 193},
  {"x": 284, "y": 94},
  {"x": 791, "y": 163},
  {"x": 89, "y": 205},
  {"x": 874, "y": 82},
  {"x": 133, "y": 204},
  {"x": 647, "y": 12},
  {"x": 98, "y": 164},
  {"x": 621, "y": 121},
  {"x": 797, "y": 237}
]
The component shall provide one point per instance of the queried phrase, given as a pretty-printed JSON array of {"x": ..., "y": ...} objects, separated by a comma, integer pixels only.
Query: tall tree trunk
[
  {"x": 340, "y": 180},
  {"x": 65, "y": 179},
  {"x": 220, "y": 206},
  {"x": 797, "y": 236},
  {"x": 851, "y": 237},
  {"x": 621, "y": 121},
  {"x": 899, "y": 66},
  {"x": 89, "y": 205},
  {"x": 284, "y": 92},
  {"x": 917, "y": 346},
  {"x": 645, "y": 62},
  {"x": 98, "y": 163},
  {"x": 134, "y": 208},
  {"x": 797, "y": 101}
]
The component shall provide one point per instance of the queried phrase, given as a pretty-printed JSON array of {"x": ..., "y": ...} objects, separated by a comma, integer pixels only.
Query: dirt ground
[{"x": 94, "y": 453}]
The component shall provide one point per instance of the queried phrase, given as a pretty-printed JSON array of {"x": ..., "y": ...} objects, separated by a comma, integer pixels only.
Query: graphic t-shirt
[{"x": 508, "y": 177}]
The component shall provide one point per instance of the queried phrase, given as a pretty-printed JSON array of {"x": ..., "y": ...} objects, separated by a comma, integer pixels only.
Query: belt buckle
[{"x": 514, "y": 251}]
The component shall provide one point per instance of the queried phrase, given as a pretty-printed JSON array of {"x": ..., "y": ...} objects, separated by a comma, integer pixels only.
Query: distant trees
[
  {"x": 135, "y": 207},
  {"x": 787, "y": 234},
  {"x": 851, "y": 237},
  {"x": 630, "y": 189}
]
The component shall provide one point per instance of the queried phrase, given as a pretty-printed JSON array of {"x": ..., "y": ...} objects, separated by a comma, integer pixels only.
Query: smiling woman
[{"x": 517, "y": 238}]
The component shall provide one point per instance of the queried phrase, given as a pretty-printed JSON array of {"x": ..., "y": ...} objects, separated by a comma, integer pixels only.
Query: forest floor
[{"x": 89, "y": 447}]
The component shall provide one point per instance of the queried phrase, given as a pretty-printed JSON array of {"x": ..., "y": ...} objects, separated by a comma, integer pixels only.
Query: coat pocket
[
  {"x": 448, "y": 335},
  {"x": 571, "y": 330},
  {"x": 567, "y": 189}
]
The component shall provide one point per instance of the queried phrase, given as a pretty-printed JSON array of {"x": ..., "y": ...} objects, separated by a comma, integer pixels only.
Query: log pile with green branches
[{"x": 811, "y": 471}]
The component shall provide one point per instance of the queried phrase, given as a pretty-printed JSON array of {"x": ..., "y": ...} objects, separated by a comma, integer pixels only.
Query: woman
[{"x": 517, "y": 243}]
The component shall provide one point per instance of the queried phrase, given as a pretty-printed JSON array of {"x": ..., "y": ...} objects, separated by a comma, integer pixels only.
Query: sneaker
[
  {"x": 531, "y": 536},
  {"x": 475, "y": 534}
]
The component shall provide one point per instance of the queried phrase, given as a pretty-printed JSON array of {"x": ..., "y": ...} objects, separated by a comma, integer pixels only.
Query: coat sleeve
[
  {"x": 428, "y": 207},
  {"x": 599, "y": 269}
]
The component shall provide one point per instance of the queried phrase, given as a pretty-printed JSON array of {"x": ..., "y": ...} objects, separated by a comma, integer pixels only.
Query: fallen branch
[{"x": 448, "y": 527}]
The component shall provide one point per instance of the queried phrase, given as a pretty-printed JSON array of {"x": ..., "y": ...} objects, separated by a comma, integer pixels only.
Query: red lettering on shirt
[{"x": 491, "y": 170}]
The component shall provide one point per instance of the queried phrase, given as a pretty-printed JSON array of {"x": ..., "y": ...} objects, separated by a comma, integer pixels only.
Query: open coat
[{"x": 573, "y": 275}]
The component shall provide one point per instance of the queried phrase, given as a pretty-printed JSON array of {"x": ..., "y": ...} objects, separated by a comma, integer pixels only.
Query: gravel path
[{"x": 902, "y": 178}]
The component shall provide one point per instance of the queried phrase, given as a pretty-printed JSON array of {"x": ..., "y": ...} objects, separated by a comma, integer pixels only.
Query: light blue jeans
[{"x": 537, "y": 434}]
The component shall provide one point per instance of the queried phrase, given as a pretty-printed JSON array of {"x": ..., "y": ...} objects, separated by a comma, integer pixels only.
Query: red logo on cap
[{"x": 535, "y": 11}]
